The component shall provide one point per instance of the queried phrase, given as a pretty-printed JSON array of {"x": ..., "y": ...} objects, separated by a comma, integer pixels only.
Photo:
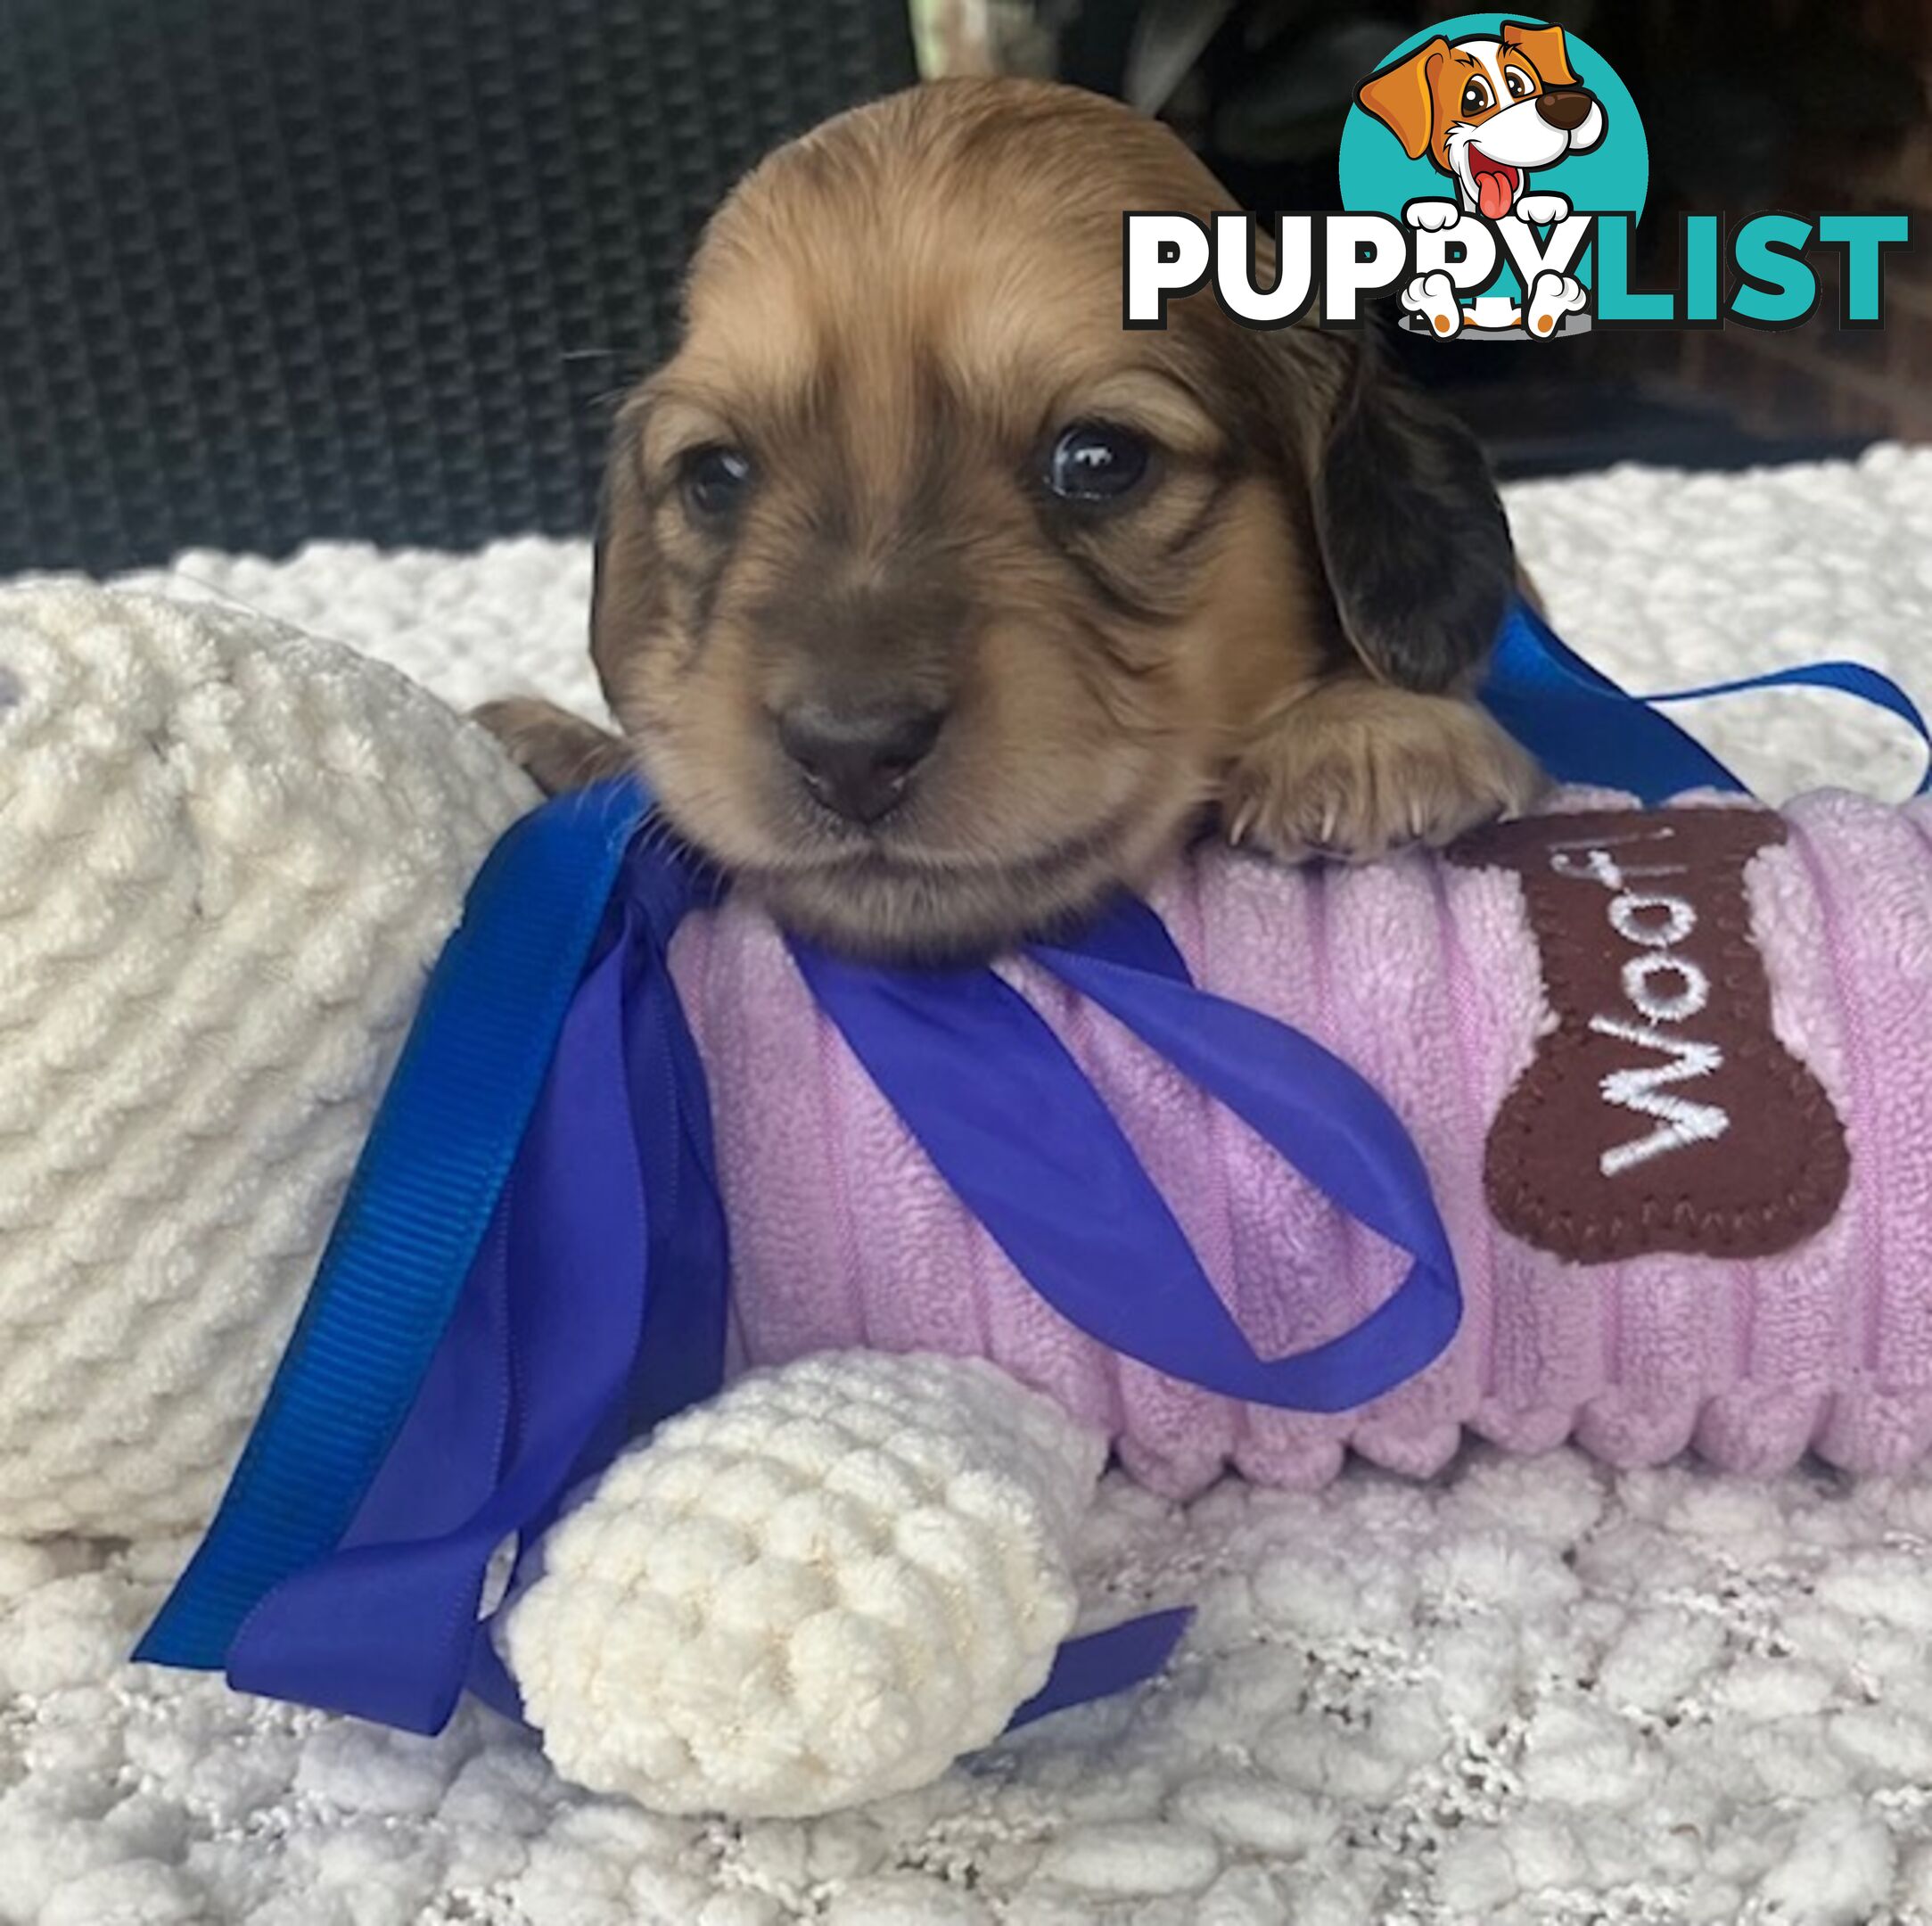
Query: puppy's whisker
[
  {"x": 222, "y": 593},
  {"x": 658, "y": 836}
]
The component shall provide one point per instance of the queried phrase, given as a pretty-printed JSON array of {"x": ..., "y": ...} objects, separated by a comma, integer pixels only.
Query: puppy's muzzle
[
  {"x": 858, "y": 763},
  {"x": 1566, "y": 108}
]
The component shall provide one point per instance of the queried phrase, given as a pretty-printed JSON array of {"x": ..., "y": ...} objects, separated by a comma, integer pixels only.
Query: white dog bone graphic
[
  {"x": 1540, "y": 209},
  {"x": 1551, "y": 297},
  {"x": 1434, "y": 297},
  {"x": 1432, "y": 216}
]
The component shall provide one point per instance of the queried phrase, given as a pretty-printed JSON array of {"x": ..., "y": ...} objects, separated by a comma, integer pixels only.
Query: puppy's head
[
  {"x": 1487, "y": 108},
  {"x": 933, "y": 599}
]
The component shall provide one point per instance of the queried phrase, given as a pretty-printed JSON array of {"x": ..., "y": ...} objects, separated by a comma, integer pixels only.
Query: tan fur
[
  {"x": 895, "y": 315},
  {"x": 1355, "y": 769},
  {"x": 561, "y": 751}
]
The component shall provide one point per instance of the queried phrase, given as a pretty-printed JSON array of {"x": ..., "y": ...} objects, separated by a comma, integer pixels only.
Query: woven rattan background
[{"x": 272, "y": 269}]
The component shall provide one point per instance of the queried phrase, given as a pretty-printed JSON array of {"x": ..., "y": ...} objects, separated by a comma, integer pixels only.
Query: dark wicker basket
[{"x": 276, "y": 269}]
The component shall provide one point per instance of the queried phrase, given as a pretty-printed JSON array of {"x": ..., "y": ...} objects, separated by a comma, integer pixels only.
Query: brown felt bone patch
[{"x": 1661, "y": 1113}]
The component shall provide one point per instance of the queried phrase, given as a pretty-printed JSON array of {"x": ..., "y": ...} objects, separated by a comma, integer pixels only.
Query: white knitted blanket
[{"x": 1533, "y": 1694}]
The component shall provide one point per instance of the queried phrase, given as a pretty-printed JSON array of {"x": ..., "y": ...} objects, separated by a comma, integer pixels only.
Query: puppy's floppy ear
[
  {"x": 1412, "y": 533},
  {"x": 1548, "y": 50},
  {"x": 623, "y": 569},
  {"x": 1403, "y": 97}
]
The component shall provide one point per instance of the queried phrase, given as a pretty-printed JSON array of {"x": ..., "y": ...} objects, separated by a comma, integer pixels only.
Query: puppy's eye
[
  {"x": 715, "y": 481},
  {"x": 1476, "y": 96},
  {"x": 1517, "y": 82},
  {"x": 1094, "y": 461}
]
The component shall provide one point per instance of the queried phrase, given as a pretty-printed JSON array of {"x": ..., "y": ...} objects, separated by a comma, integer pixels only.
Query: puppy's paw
[
  {"x": 1354, "y": 770},
  {"x": 559, "y": 751},
  {"x": 1432, "y": 216},
  {"x": 1432, "y": 296},
  {"x": 1551, "y": 297},
  {"x": 1540, "y": 209}
]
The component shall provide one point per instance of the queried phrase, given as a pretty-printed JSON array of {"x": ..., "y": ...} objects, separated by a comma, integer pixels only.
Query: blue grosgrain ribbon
[
  {"x": 424, "y": 1194},
  {"x": 530, "y": 1265}
]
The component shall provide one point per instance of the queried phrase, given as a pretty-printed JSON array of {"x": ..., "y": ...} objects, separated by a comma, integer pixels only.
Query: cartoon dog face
[{"x": 1486, "y": 111}]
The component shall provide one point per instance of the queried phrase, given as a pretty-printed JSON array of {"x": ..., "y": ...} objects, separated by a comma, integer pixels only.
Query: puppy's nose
[
  {"x": 858, "y": 762},
  {"x": 1568, "y": 108}
]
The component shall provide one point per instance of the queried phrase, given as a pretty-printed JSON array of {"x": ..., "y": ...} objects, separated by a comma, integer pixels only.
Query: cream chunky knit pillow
[{"x": 228, "y": 855}]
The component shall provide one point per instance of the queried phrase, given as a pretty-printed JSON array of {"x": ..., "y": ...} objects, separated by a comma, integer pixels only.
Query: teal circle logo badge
[{"x": 1503, "y": 143}]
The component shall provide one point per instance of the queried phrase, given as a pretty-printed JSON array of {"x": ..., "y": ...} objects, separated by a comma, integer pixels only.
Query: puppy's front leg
[
  {"x": 1353, "y": 768},
  {"x": 560, "y": 750}
]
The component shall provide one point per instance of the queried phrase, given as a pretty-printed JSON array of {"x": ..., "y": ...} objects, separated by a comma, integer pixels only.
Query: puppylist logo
[
  {"x": 1492, "y": 171},
  {"x": 1500, "y": 149}
]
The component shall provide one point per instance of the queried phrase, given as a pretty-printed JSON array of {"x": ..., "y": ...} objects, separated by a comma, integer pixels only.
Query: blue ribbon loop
[
  {"x": 530, "y": 1265},
  {"x": 1583, "y": 728},
  {"x": 1119, "y": 1266}
]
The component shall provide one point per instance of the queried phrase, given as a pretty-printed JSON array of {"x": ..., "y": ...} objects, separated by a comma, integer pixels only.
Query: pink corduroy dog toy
[{"x": 1665, "y": 1070}]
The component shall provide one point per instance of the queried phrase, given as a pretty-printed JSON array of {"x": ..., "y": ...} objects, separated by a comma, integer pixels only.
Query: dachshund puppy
[{"x": 935, "y": 605}]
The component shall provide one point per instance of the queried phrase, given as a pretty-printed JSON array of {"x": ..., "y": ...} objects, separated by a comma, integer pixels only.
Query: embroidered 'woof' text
[
  {"x": 1664, "y": 990},
  {"x": 1661, "y": 1112}
]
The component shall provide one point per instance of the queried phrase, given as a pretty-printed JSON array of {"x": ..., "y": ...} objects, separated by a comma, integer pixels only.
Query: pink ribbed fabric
[{"x": 1427, "y": 978}]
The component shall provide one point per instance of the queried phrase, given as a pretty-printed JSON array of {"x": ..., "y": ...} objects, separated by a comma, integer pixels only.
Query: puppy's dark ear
[
  {"x": 623, "y": 571},
  {"x": 1411, "y": 534}
]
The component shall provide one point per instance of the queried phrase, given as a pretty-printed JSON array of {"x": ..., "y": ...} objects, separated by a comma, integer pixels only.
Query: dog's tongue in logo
[{"x": 1495, "y": 184}]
